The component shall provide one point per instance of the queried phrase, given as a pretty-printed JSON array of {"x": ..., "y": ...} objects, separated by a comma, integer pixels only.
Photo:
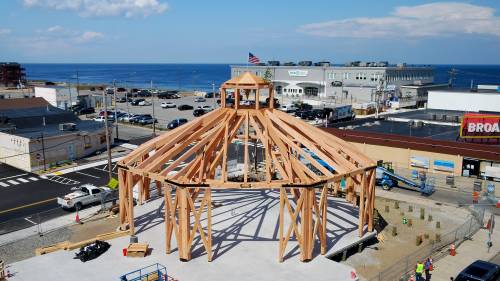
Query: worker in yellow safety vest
[{"x": 419, "y": 270}]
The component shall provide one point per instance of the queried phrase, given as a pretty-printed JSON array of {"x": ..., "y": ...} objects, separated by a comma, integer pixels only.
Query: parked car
[
  {"x": 109, "y": 113},
  {"x": 168, "y": 105},
  {"x": 198, "y": 112},
  {"x": 82, "y": 110},
  {"x": 305, "y": 115},
  {"x": 146, "y": 119},
  {"x": 84, "y": 195},
  {"x": 303, "y": 106},
  {"x": 144, "y": 103},
  {"x": 124, "y": 99},
  {"x": 200, "y": 99},
  {"x": 185, "y": 107},
  {"x": 126, "y": 117},
  {"x": 136, "y": 101},
  {"x": 135, "y": 119},
  {"x": 176, "y": 123},
  {"x": 319, "y": 113},
  {"x": 207, "y": 108},
  {"x": 288, "y": 108},
  {"x": 144, "y": 93},
  {"x": 100, "y": 119},
  {"x": 121, "y": 90},
  {"x": 480, "y": 271}
]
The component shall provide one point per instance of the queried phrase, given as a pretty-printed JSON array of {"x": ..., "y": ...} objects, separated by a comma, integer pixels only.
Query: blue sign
[{"x": 444, "y": 165}]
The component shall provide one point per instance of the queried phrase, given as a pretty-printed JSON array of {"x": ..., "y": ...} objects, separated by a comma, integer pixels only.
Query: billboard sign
[
  {"x": 480, "y": 126},
  {"x": 444, "y": 165}
]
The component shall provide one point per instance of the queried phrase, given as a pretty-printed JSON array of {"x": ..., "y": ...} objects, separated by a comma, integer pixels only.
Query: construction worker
[
  {"x": 427, "y": 268},
  {"x": 419, "y": 270}
]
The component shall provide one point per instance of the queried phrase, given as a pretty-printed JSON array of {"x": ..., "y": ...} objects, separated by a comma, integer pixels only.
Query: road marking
[
  {"x": 30, "y": 220},
  {"x": 33, "y": 178},
  {"x": 13, "y": 182},
  {"x": 22, "y": 180},
  {"x": 14, "y": 176},
  {"x": 27, "y": 205},
  {"x": 3, "y": 184},
  {"x": 92, "y": 176}
]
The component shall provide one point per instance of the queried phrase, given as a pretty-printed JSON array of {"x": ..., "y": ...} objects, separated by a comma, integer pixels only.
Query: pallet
[
  {"x": 139, "y": 250},
  {"x": 111, "y": 235}
]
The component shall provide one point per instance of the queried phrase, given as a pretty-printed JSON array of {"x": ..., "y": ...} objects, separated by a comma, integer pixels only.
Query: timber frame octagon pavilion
[{"x": 190, "y": 161}]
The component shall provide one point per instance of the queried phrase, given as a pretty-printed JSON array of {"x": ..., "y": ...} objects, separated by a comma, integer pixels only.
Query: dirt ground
[
  {"x": 390, "y": 249},
  {"x": 90, "y": 229}
]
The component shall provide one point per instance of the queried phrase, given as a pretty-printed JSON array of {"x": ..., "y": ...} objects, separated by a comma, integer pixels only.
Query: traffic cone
[
  {"x": 77, "y": 218},
  {"x": 412, "y": 278},
  {"x": 452, "y": 250}
]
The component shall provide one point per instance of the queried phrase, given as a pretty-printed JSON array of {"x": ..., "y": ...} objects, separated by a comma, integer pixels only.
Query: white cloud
[
  {"x": 428, "y": 20},
  {"x": 56, "y": 28},
  {"x": 5, "y": 31},
  {"x": 89, "y": 36},
  {"x": 102, "y": 8}
]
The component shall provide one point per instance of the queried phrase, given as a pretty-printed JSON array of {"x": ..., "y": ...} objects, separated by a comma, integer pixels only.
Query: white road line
[
  {"x": 13, "y": 176},
  {"x": 30, "y": 221},
  {"x": 13, "y": 182},
  {"x": 33, "y": 178},
  {"x": 22, "y": 180},
  {"x": 3, "y": 184},
  {"x": 92, "y": 176}
]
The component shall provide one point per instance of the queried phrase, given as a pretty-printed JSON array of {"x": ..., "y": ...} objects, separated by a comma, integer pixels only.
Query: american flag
[{"x": 253, "y": 59}]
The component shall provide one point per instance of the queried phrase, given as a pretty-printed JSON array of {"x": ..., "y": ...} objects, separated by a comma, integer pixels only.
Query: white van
[{"x": 288, "y": 108}]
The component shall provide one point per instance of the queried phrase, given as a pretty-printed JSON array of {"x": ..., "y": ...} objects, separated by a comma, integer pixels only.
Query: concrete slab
[{"x": 245, "y": 246}]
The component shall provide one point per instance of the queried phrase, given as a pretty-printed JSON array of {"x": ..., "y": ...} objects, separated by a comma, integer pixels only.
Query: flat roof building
[
  {"x": 352, "y": 83},
  {"x": 35, "y": 135},
  {"x": 476, "y": 100}
]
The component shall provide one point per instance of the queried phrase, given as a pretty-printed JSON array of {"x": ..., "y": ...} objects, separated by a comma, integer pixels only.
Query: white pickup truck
[{"x": 84, "y": 195}]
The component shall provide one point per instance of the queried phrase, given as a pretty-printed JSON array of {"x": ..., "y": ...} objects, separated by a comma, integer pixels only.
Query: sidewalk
[{"x": 467, "y": 252}]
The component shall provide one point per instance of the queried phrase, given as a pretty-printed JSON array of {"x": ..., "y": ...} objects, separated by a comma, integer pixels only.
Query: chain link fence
[{"x": 402, "y": 270}]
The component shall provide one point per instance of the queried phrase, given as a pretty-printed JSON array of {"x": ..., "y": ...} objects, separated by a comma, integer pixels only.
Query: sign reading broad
[{"x": 481, "y": 126}]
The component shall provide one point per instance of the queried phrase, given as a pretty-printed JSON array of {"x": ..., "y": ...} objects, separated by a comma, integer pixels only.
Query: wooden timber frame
[{"x": 187, "y": 163}]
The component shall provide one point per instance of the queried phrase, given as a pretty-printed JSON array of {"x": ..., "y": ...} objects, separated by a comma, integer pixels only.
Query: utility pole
[
  {"x": 108, "y": 144},
  {"x": 43, "y": 154},
  {"x": 452, "y": 73},
  {"x": 77, "y": 84},
  {"x": 153, "y": 105},
  {"x": 116, "y": 117},
  {"x": 213, "y": 93}
]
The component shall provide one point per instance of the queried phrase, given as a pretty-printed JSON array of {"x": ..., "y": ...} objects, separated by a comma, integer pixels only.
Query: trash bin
[
  {"x": 478, "y": 185},
  {"x": 124, "y": 250},
  {"x": 450, "y": 180}
]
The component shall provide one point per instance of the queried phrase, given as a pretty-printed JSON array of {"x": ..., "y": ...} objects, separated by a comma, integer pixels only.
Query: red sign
[{"x": 480, "y": 126}]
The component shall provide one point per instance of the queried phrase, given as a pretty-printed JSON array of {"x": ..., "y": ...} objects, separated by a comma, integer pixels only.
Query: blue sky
[{"x": 223, "y": 31}]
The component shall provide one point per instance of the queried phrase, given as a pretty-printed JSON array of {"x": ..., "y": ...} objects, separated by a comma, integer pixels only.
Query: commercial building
[
  {"x": 58, "y": 96},
  {"x": 476, "y": 100},
  {"x": 35, "y": 135},
  {"x": 11, "y": 74},
  {"x": 424, "y": 140},
  {"x": 355, "y": 82}
]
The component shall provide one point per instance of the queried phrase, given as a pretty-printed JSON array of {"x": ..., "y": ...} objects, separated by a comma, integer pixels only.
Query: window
[
  {"x": 331, "y": 76},
  {"x": 300, "y": 91},
  {"x": 95, "y": 191}
]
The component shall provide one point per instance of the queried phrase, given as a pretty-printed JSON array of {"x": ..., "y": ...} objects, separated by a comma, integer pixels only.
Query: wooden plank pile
[{"x": 68, "y": 246}]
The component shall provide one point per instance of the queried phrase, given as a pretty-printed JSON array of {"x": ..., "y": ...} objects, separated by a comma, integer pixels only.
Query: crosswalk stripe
[
  {"x": 33, "y": 178},
  {"x": 23, "y": 180},
  {"x": 3, "y": 184},
  {"x": 12, "y": 182}
]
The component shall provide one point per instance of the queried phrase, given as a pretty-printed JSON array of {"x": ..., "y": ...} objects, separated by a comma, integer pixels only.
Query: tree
[{"x": 268, "y": 75}]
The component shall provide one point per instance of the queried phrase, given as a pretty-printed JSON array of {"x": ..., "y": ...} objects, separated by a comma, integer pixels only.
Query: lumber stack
[
  {"x": 51, "y": 248},
  {"x": 138, "y": 250}
]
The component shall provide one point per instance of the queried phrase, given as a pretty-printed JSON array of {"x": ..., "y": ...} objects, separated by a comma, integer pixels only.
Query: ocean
[{"x": 201, "y": 76}]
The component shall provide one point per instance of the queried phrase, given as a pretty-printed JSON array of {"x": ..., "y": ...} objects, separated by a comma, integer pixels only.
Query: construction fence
[{"x": 403, "y": 270}]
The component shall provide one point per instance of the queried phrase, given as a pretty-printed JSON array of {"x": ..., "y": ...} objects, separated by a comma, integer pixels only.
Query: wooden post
[
  {"x": 130, "y": 198},
  {"x": 362, "y": 205},
  {"x": 168, "y": 222},
  {"x": 245, "y": 157},
  {"x": 324, "y": 212},
  {"x": 371, "y": 187},
  {"x": 122, "y": 186},
  {"x": 209, "y": 223},
  {"x": 223, "y": 97},
  {"x": 306, "y": 221},
  {"x": 236, "y": 98},
  {"x": 140, "y": 187},
  {"x": 282, "y": 222},
  {"x": 184, "y": 225},
  {"x": 257, "y": 98}
]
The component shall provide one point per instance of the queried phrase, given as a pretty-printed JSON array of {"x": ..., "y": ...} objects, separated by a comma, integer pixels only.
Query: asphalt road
[{"x": 26, "y": 198}]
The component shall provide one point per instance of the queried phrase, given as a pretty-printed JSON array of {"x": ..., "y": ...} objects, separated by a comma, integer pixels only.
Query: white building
[
  {"x": 465, "y": 100},
  {"x": 58, "y": 96}
]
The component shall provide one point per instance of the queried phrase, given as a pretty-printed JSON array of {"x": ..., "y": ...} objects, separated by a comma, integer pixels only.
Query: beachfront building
[
  {"x": 58, "y": 96},
  {"x": 355, "y": 82},
  {"x": 35, "y": 135}
]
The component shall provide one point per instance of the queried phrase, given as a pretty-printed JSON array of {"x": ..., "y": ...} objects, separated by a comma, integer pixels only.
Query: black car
[
  {"x": 319, "y": 113},
  {"x": 480, "y": 271},
  {"x": 144, "y": 93},
  {"x": 88, "y": 110},
  {"x": 185, "y": 107},
  {"x": 136, "y": 101},
  {"x": 176, "y": 123},
  {"x": 305, "y": 115},
  {"x": 146, "y": 119},
  {"x": 135, "y": 119},
  {"x": 303, "y": 106},
  {"x": 123, "y": 99},
  {"x": 198, "y": 112}
]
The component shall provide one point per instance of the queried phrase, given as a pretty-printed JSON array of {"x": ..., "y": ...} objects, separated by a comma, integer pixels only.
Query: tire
[
  {"x": 78, "y": 206},
  {"x": 385, "y": 186}
]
